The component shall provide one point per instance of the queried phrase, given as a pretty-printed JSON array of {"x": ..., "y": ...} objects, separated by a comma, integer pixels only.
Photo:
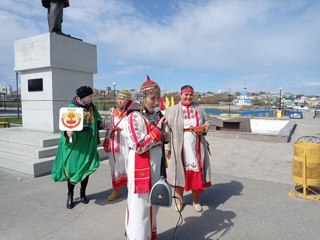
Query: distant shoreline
[{"x": 222, "y": 107}]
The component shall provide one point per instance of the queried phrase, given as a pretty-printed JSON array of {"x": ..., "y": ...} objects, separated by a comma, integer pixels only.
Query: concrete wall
[
  {"x": 63, "y": 64},
  {"x": 266, "y": 126}
]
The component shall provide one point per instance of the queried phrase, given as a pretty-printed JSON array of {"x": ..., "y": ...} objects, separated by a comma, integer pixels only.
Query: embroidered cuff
[{"x": 155, "y": 134}]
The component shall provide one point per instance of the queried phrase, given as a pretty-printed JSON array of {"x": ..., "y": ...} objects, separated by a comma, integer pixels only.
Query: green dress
[{"x": 76, "y": 160}]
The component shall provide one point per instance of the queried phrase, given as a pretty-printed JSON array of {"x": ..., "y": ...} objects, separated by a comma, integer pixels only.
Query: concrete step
[
  {"x": 33, "y": 166},
  {"x": 33, "y": 138},
  {"x": 28, "y": 137},
  {"x": 28, "y": 165},
  {"x": 32, "y": 152},
  {"x": 28, "y": 150}
]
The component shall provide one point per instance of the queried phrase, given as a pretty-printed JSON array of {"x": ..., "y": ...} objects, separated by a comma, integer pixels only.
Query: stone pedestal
[{"x": 51, "y": 68}]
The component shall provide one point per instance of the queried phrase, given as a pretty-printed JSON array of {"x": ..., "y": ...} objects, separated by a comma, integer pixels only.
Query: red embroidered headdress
[
  {"x": 124, "y": 94},
  {"x": 150, "y": 87}
]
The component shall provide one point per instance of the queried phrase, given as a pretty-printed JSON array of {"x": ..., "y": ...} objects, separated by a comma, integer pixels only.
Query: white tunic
[
  {"x": 118, "y": 153},
  {"x": 139, "y": 224},
  {"x": 191, "y": 150}
]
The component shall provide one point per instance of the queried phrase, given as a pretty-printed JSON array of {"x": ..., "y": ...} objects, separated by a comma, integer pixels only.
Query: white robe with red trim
[
  {"x": 118, "y": 153},
  {"x": 142, "y": 137},
  {"x": 180, "y": 142},
  {"x": 191, "y": 150}
]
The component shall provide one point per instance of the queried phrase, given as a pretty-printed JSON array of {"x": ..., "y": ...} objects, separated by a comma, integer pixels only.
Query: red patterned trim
[
  {"x": 117, "y": 184},
  {"x": 198, "y": 147},
  {"x": 155, "y": 134},
  {"x": 187, "y": 90},
  {"x": 142, "y": 165},
  {"x": 154, "y": 235}
]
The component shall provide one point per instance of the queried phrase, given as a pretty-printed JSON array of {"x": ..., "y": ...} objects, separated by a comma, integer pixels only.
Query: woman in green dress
[{"x": 77, "y": 159}]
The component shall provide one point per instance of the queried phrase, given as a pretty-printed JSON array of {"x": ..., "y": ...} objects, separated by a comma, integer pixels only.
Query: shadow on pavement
[
  {"x": 213, "y": 223},
  {"x": 101, "y": 198}
]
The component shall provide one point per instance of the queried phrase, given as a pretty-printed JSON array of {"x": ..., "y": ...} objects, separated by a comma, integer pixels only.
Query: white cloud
[
  {"x": 133, "y": 69},
  {"x": 220, "y": 34},
  {"x": 271, "y": 39},
  {"x": 312, "y": 83}
]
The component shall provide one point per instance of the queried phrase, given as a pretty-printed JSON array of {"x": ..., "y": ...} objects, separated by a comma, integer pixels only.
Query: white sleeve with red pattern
[{"x": 141, "y": 135}]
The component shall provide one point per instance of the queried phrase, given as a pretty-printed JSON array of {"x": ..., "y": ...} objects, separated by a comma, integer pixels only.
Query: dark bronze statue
[{"x": 55, "y": 14}]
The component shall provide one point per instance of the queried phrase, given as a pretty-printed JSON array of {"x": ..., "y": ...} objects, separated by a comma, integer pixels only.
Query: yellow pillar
[
  {"x": 279, "y": 113},
  {"x": 167, "y": 102},
  {"x": 172, "y": 101}
]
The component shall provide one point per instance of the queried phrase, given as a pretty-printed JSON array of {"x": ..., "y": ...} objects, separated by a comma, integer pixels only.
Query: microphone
[{"x": 157, "y": 110}]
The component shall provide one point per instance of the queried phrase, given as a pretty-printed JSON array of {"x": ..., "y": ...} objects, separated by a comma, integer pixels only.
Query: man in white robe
[{"x": 142, "y": 128}]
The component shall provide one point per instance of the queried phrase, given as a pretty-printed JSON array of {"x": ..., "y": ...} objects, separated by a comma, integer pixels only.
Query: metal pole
[
  {"x": 229, "y": 100},
  {"x": 17, "y": 98},
  {"x": 114, "y": 93},
  {"x": 5, "y": 93},
  {"x": 280, "y": 99}
]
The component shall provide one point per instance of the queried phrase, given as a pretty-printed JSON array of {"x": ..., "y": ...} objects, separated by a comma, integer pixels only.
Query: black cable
[{"x": 180, "y": 219}]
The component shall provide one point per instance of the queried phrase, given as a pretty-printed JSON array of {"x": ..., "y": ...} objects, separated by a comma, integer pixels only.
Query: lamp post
[
  {"x": 17, "y": 98},
  {"x": 104, "y": 101},
  {"x": 229, "y": 100},
  {"x": 4, "y": 99},
  {"x": 114, "y": 92},
  {"x": 280, "y": 98}
]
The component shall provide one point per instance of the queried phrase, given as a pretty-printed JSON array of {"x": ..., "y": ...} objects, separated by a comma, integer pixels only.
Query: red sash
[{"x": 142, "y": 175}]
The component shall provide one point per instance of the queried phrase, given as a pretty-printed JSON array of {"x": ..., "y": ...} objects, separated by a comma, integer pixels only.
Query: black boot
[
  {"x": 83, "y": 196},
  {"x": 70, "y": 203}
]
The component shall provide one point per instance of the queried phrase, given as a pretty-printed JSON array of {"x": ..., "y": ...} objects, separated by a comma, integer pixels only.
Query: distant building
[
  {"x": 5, "y": 88},
  {"x": 313, "y": 101},
  {"x": 108, "y": 90},
  {"x": 243, "y": 99}
]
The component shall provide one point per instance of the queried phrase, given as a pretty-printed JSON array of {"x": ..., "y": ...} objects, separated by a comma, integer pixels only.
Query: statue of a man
[{"x": 55, "y": 14}]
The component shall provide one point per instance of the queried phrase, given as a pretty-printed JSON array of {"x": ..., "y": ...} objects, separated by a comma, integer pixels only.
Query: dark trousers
[
  {"x": 84, "y": 184},
  {"x": 55, "y": 16}
]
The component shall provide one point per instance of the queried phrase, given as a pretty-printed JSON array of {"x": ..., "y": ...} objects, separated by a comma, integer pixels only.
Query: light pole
[
  {"x": 104, "y": 101},
  {"x": 5, "y": 93},
  {"x": 17, "y": 98},
  {"x": 114, "y": 92},
  {"x": 229, "y": 100},
  {"x": 280, "y": 98}
]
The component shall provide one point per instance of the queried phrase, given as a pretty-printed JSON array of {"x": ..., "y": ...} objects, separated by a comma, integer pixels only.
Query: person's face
[
  {"x": 186, "y": 98},
  {"x": 122, "y": 102},
  {"x": 88, "y": 99},
  {"x": 152, "y": 102}
]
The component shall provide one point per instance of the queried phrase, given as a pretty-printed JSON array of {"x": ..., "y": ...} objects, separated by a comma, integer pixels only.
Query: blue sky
[{"x": 210, "y": 44}]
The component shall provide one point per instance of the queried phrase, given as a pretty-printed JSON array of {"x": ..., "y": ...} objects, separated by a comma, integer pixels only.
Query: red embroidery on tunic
[{"x": 189, "y": 112}]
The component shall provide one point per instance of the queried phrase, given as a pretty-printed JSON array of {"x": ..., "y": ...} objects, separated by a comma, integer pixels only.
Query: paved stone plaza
[{"x": 249, "y": 200}]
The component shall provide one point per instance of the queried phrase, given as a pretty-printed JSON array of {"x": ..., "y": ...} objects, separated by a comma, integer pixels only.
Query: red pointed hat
[{"x": 150, "y": 87}]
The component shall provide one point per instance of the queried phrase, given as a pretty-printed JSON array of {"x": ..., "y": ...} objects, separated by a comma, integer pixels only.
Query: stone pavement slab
[
  {"x": 235, "y": 208},
  {"x": 248, "y": 200}
]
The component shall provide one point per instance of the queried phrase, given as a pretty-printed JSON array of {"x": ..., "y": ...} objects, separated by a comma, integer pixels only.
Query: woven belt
[
  {"x": 197, "y": 130},
  {"x": 187, "y": 130}
]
